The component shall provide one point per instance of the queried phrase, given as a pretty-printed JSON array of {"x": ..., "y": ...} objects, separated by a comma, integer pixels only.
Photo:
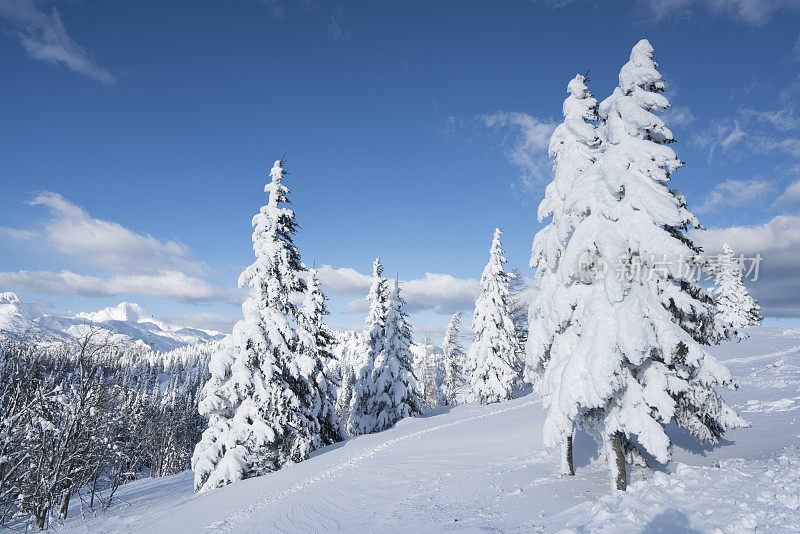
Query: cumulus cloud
[
  {"x": 109, "y": 245},
  {"x": 778, "y": 243},
  {"x": 44, "y": 37},
  {"x": 438, "y": 293},
  {"x": 790, "y": 195},
  {"x": 17, "y": 233},
  {"x": 735, "y": 193},
  {"x": 166, "y": 284},
  {"x": 526, "y": 139},
  {"x": 343, "y": 280}
]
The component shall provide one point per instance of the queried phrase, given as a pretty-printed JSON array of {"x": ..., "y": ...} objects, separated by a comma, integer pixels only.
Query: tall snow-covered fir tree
[
  {"x": 453, "y": 361},
  {"x": 491, "y": 359},
  {"x": 361, "y": 420},
  {"x": 574, "y": 146},
  {"x": 318, "y": 342},
  {"x": 620, "y": 345},
  {"x": 263, "y": 402},
  {"x": 393, "y": 391},
  {"x": 736, "y": 309}
]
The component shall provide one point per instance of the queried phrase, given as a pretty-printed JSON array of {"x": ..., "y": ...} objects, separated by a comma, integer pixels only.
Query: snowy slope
[
  {"x": 128, "y": 322},
  {"x": 473, "y": 468}
]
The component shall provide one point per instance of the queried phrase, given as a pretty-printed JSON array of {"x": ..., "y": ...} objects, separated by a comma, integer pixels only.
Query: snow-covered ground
[{"x": 476, "y": 468}]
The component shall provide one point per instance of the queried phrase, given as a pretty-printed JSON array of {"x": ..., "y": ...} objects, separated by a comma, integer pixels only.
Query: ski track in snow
[{"x": 236, "y": 518}]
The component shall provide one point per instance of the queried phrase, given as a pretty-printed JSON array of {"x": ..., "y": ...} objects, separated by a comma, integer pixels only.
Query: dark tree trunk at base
[
  {"x": 617, "y": 460},
  {"x": 567, "y": 464}
]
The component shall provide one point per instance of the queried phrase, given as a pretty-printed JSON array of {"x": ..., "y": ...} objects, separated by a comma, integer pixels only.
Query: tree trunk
[
  {"x": 567, "y": 465},
  {"x": 616, "y": 461},
  {"x": 62, "y": 512}
]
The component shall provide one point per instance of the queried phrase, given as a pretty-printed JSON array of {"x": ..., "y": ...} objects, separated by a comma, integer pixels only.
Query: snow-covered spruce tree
[
  {"x": 453, "y": 355},
  {"x": 736, "y": 309},
  {"x": 393, "y": 391},
  {"x": 623, "y": 353},
  {"x": 318, "y": 341},
  {"x": 574, "y": 146},
  {"x": 491, "y": 357},
  {"x": 262, "y": 401},
  {"x": 361, "y": 420}
]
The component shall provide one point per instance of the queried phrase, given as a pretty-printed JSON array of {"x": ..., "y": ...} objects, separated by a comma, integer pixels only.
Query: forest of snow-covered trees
[{"x": 614, "y": 339}]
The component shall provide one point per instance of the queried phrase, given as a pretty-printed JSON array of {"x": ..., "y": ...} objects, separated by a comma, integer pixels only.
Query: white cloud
[
  {"x": 790, "y": 195},
  {"x": 720, "y": 136},
  {"x": 45, "y": 38},
  {"x": 106, "y": 244},
  {"x": 782, "y": 119},
  {"x": 778, "y": 243},
  {"x": 336, "y": 29},
  {"x": 17, "y": 233},
  {"x": 438, "y": 293},
  {"x": 343, "y": 280},
  {"x": 735, "y": 193},
  {"x": 165, "y": 284},
  {"x": 678, "y": 116},
  {"x": 753, "y": 12},
  {"x": 204, "y": 321},
  {"x": 527, "y": 140}
]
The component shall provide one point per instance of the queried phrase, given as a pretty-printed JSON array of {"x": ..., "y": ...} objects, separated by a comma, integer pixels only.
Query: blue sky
[{"x": 135, "y": 139}]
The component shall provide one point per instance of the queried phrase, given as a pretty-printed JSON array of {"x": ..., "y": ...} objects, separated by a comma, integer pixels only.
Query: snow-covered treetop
[
  {"x": 277, "y": 260},
  {"x": 643, "y": 85}
]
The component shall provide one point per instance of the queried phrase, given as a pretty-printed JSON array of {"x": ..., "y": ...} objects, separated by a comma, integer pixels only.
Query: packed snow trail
[
  {"x": 477, "y": 468},
  {"x": 238, "y": 517}
]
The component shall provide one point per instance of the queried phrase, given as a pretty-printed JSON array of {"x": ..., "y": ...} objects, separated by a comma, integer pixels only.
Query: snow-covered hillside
[
  {"x": 474, "y": 468},
  {"x": 127, "y": 322}
]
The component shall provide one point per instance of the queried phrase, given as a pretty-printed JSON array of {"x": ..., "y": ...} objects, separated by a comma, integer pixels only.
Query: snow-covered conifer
[
  {"x": 492, "y": 356},
  {"x": 621, "y": 350},
  {"x": 361, "y": 421},
  {"x": 574, "y": 146},
  {"x": 319, "y": 342},
  {"x": 262, "y": 399},
  {"x": 736, "y": 309},
  {"x": 393, "y": 388},
  {"x": 453, "y": 356}
]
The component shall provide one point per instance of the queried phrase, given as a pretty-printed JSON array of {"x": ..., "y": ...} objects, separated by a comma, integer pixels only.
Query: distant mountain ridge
[{"x": 126, "y": 322}]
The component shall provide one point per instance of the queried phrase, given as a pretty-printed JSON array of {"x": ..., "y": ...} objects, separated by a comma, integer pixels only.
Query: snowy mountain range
[{"x": 126, "y": 323}]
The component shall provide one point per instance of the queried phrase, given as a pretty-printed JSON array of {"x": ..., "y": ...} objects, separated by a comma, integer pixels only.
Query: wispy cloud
[
  {"x": 526, "y": 139},
  {"x": 109, "y": 245},
  {"x": 720, "y": 136},
  {"x": 165, "y": 284},
  {"x": 731, "y": 193},
  {"x": 204, "y": 321},
  {"x": 336, "y": 29},
  {"x": 44, "y": 37},
  {"x": 751, "y": 12},
  {"x": 17, "y": 233},
  {"x": 678, "y": 116}
]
